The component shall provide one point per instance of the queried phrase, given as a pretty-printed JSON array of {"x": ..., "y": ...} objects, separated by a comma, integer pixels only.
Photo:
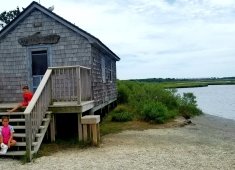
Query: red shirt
[{"x": 27, "y": 97}]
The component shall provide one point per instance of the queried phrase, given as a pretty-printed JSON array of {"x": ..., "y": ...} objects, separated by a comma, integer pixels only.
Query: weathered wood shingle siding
[{"x": 102, "y": 91}]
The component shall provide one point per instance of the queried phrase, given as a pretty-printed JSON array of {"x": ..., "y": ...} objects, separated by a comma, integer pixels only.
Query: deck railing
[{"x": 72, "y": 83}]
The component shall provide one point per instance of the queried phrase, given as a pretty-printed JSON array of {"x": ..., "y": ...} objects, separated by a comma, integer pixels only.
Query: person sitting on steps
[
  {"x": 27, "y": 96},
  {"x": 6, "y": 135}
]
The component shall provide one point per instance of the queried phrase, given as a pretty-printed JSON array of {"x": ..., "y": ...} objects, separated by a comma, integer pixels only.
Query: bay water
[{"x": 218, "y": 100}]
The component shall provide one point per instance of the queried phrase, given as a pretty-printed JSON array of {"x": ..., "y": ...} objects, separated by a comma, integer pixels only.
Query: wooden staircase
[
  {"x": 59, "y": 84},
  {"x": 17, "y": 120}
]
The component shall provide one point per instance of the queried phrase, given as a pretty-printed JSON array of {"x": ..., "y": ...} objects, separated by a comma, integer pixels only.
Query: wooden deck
[
  {"x": 71, "y": 107},
  {"x": 7, "y": 105},
  {"x": 59, "y": 107}
]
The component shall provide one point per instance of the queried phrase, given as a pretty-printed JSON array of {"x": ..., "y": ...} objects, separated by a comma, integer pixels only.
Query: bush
[
  {"x": 122, "y": 117},
  {"x": 123, "y": 93},
  {"x": 151, "y": 102},
  {"x": 188, "y": 106},
  {"x": 154, "y": 112},
  {"x": 187, "y": 111},
  {"x": 121, "y": 114},
  {"x": 121, "y": 108}
]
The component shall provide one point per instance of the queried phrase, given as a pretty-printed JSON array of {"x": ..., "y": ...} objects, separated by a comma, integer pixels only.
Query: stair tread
[
  {"x": 24, "y": 135},
  {"x": 23, "y": 119},
  {"x": 9, "y": 114},
  {"x": 17, "y": 113},
  {"x": 24, "y": 143},
  {"x": 23, "y": 127},
  {"x": 15, "y": 120},
  {"x": 16, "y": 153}
]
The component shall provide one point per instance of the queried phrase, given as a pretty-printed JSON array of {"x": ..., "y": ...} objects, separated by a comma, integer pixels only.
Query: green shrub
[
  {"x": 123, "y": 94},
  {"x": 187, "y": 111},
  {"x": 188, "y": 99},
  {"x": 188, "y": 106},
  {"x": 154, "y": 112},
  {"x": 151, "y": 102},
  {"x": 121, "y": 108},
  {"x": 122, "y": 113},
  {"x": 122, "y": 117}
]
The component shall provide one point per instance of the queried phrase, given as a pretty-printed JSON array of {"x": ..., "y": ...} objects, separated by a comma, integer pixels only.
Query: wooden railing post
[
  {"x": 78, "y": 72},
  {"x": 28, "y": 129},
  {"x": 90, "y": 85}
]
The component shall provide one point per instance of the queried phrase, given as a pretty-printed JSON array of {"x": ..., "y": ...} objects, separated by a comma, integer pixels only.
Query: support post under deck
[{"x": 79, "y": 127}]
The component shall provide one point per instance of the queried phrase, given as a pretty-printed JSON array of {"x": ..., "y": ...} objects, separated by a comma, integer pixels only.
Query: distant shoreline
[
  {"x": 192, "y": 85},
  {"x": 187, "y": 83}
]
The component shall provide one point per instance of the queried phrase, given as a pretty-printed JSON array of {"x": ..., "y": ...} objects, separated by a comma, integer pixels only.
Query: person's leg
[
  {"x": 4, "y": 148},
  {"x": 15, "y": 108},
  {"x": 1, "y": 140},
  {"x": 13, "y": 143}
]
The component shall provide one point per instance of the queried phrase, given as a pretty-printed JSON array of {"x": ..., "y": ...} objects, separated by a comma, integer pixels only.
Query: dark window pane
[{"x": 39, "y": 62}]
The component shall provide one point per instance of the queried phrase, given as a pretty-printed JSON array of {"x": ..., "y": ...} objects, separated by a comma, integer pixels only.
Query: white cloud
[{"x": 159, "y": 38}]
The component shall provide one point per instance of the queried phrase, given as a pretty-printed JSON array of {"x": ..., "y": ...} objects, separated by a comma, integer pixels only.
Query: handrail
[
  {"x": 60, "y": 67},
  {"x": 36, "y": 110},
  {"x": 38, "y": 92}
]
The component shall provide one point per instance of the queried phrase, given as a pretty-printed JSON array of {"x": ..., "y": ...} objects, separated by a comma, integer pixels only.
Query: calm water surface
[{"x": 218, "y": 100}]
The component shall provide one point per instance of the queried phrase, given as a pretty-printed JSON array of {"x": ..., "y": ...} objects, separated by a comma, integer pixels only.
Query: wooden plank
[
  {"x": 66, "y": 109},
  {"x": 22, "y": 135},
  {"x": 71, "y": 107},
  {"x": 94, "y": 134},
  {"x": 71, "y": 103},
  {"x": 9, "y": 114},
  {"x": 79, "y": 127},
  {"x": 70, "y": 67},
  {"x": 84, "y": 128},
  {"x": 90, "y": 119},
  {"x": 15, "y": 120},
  {"x": 98, "y": 133},
  {"x": 24, "y": 144},
  {"x": 78, "y": 75},
  {"x": 15, "y": 153},
  {"x": 52, "y": 128},
  {"x": 28, "y": 137}
]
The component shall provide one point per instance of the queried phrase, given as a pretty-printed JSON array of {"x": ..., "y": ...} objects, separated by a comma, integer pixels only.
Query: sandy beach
[{"x": 207, "y": 144}]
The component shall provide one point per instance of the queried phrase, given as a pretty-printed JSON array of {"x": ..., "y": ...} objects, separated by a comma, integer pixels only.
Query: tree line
[{"x": 159, "y": 80}]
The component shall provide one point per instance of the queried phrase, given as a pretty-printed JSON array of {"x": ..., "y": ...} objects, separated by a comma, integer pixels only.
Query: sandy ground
[{"x": 208, "y": 144}]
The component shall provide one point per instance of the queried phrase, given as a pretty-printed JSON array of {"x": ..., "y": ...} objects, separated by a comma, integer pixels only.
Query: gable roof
[{"x": 34, "y": 5}]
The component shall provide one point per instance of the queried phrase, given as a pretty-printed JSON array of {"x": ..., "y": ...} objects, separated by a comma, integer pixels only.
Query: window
[
  {"x": 107, "y": 70},
  {"x": 103, "y": 69},
  {"x": 39, "y": 66},
  {"x": 39, "y": 62}
]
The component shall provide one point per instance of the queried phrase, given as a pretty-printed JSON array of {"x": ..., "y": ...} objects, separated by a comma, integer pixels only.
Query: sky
[{"x": 156, "y": 38}]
